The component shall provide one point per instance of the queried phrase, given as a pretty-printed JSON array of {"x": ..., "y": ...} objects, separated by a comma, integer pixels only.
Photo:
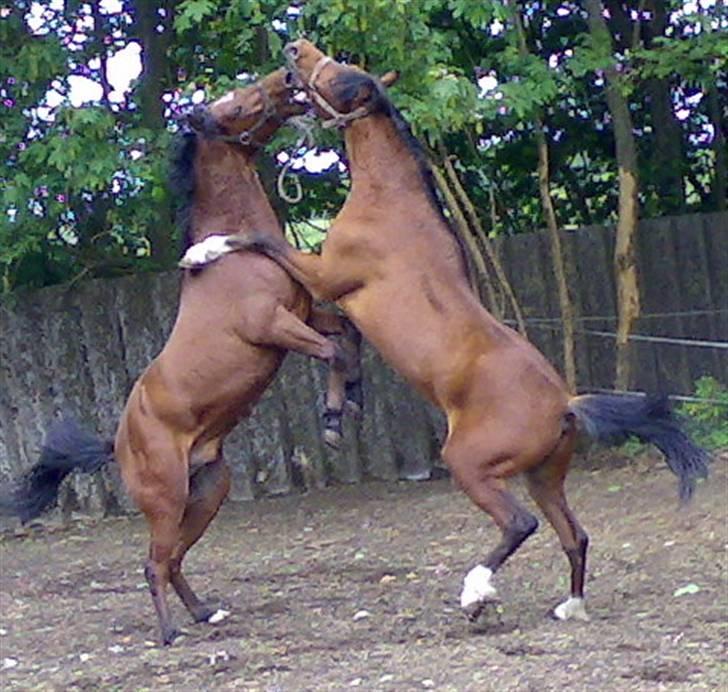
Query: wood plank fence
[{"x": 79, "y": 350}]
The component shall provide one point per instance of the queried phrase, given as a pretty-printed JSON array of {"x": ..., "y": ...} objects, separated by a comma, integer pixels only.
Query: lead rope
[{"x": 305, "y": 125}]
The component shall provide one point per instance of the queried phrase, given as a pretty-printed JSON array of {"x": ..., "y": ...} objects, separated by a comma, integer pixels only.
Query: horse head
[
  {"x": 339, "y": 93},
  {"x": 251, "y": 115}
]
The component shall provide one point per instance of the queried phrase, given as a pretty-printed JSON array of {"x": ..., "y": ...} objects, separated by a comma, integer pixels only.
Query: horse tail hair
[
  {"x": 67, "y": 447},
  {"x": 612, "y": 418}
]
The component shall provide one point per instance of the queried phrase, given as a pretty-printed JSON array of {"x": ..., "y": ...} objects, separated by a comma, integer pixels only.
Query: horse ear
[{"x": 389, "y": 78}]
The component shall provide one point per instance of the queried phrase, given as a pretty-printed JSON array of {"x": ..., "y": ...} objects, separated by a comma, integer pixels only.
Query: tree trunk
[
  {"x": 628, "y": 298},
  {"x": 718, "y": 185},
  {"x": 667, "y": 149},
  {"x": 461, "y": 227},
  {"x": 153, "y": 80},
  {"x": 477, "y": 226},
  {"x": 557, "y": 255}
]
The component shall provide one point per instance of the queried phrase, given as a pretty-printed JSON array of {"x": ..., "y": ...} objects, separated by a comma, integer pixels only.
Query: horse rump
[
  {"x": 612, "y": 418},
  {"x": 67, "y": 447}
]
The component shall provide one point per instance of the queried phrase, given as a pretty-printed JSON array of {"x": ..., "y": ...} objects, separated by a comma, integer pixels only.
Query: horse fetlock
[
  {"x": 571, "y": 609},
  {"x": 477, "y": 588},
  {"x": 332, "y": 428}
]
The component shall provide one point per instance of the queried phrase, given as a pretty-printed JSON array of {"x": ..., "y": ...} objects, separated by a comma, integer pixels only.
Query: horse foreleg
[
  {"x": 289, "y": 332},
  {"x": 546, "y": 486},
  {"x": 209, "y": 487},
  {"x": 349, "y": 339},
  {"x": 322, "y": 279}
]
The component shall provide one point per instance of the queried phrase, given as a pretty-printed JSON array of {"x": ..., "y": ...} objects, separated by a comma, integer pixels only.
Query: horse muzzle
[{"x": 201, "y": 121}]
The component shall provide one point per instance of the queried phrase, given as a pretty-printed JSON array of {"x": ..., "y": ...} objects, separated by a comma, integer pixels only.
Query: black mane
[{"x": 182, "y": 182}]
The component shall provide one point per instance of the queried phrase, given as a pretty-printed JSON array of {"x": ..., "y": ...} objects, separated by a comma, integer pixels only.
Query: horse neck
[
  {"x": 229, "y": 196},
  {"x": 381, "y": 161}
]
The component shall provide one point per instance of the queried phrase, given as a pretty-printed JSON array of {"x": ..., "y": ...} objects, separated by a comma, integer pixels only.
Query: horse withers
[
  {"x": 235, "y": 322},
  {"x": 393, "y": 263}
]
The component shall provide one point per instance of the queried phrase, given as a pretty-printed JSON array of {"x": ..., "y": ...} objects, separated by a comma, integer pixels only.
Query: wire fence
[{"x": 556, "y": 324}]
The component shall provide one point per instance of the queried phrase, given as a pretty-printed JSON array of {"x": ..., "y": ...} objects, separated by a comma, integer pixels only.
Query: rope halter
[{"x": 338, "y": 119}]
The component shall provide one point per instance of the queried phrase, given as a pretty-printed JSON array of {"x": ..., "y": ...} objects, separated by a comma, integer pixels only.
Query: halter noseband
[
  {"x": 338, "y": 119},
  {"x": 246, "y": 136}
]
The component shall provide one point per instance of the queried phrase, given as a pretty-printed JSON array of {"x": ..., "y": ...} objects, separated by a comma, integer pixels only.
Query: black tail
[
  {"x": 612, "y": 418},
  {"x": 67, "y": 447}
]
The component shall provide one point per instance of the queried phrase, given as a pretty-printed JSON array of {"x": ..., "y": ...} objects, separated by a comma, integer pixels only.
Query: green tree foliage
[{"x": 83, "y": 188}]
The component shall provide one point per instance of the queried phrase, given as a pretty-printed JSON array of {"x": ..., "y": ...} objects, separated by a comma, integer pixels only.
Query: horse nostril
[{"x": 197, "y": 117}]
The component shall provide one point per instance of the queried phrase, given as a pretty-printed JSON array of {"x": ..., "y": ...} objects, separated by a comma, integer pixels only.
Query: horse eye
[
  {"x": 238, "y": 111},
  {"x": 289, "y": 79},
  {"x": 291, "y": 51}
]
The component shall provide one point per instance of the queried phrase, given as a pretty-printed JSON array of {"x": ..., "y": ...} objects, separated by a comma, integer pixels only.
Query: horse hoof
[
  {"x": 169, "y": 635},
  {"x": 203, "y": 612},
  {"x": 571, "y": 609},
  {"x": 332, "y": 438},
  {"x": 218, "y": 616},
  {"x": 482, "y": 614}
]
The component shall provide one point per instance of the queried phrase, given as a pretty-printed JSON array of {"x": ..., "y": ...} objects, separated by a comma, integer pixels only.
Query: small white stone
[
  {"x": 571, "y": 609},
  {"x": 355, "y": 682},
  {"x": 84, "y": 657},
  {"x": 477, "y": 587},
  {"x": 218, "y": 656},
  {"x": 116, "y": 649},
  {"x": 387, "y": 677},
  {"x": 361, "y": 614},
  {"x": 3, "y": 631},
  {"x": 428, "y": 683},
  {"x": 9, "y": 663},
  {"x": 218, "y": 616}
]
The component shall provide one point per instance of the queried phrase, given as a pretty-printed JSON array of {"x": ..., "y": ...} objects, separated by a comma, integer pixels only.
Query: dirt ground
[{"x": 357, "y": 587}]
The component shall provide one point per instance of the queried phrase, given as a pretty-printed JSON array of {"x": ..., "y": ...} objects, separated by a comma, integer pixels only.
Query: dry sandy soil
[{"x": 294, "y": 572}]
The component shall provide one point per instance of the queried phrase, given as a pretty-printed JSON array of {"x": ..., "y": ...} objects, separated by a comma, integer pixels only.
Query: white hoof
[
  {"x": 218, "y": 616},
  {"x": 571, "y": 609},
  {"x": 206, "y": 251},
  {"x": 477, "y": 587}
]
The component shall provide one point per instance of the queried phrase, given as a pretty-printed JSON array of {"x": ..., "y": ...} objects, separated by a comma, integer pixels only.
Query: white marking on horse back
[
  {"x": 477, "y": 587},
  {"x": 206, "y": 251},
  {"x": 224, "y": 99},
  {"x": 572, "y": 609}
]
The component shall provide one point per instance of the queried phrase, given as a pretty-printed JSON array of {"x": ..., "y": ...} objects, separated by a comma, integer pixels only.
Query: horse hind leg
[
  {"x": 163, "y": 515},
  {"x": 209, "y": 486},
  {"x": 480, "y": 482},
  {"x": 546, "y": 486}
]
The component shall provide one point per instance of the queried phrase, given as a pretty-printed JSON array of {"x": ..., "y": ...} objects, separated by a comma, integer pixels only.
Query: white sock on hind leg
[
  {"x": 477, "y": 587},
  {"x": 571, "y": 609}
]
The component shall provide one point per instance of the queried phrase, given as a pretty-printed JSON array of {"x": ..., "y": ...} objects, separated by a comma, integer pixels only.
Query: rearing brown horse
[
  {"x": 236, "y": 320},
  {"x": 391, "y": 262}
]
